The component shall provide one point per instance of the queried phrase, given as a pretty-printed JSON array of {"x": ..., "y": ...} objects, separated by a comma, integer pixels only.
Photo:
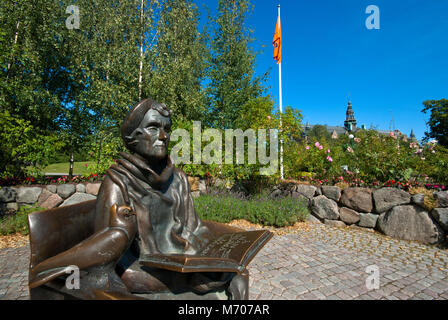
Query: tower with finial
[
  {"x": 412, "y": 135},
  {"x": 350, "y": 121}
]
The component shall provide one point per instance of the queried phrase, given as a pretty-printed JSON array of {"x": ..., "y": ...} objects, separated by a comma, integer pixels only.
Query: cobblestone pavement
[{"x": 320, "y": 262}]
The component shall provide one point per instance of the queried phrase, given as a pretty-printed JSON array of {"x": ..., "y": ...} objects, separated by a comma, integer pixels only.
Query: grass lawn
[{"x": 79, "y": 167}]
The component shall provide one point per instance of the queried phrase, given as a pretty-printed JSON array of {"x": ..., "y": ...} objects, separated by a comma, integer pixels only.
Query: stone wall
[
  {"x": 391, "y": 211},
  {"x": 49, "y": 196}
]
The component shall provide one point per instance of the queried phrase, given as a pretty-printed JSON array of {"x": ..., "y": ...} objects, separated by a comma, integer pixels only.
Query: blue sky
[{"x": 328, "y": 53}]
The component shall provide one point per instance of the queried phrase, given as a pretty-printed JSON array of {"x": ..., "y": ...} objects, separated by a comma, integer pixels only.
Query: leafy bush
[
  {"x": 17, "y": 223},
  {"x": 370, "y": 158},
  {"x": 260, "y": 210},
  {"x": 24, "y": 150}
]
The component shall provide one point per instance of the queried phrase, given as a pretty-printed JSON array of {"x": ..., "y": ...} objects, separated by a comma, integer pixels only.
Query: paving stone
[{"x": 335, "y": 261}]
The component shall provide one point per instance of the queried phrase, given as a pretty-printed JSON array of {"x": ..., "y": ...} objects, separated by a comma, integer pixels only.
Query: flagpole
[{"x": 280, "y": 105}]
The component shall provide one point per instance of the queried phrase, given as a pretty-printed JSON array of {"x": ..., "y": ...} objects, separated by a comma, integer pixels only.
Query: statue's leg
[{"x": 239, "y": 287}]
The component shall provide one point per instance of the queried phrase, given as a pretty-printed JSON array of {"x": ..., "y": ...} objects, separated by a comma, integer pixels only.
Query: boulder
[
  {"x": 80, "y": 188},
  {"x": 93, "y": 188},
  {"x": 28, "y": 195},
  {"x": 354, "y": 226},
  {"x": 52, "y": 201},
  {"x": 410, "y": 222},
  {"x": 77, "y": 198},
  {"x": 12, "y": 206},
  {"x": 318, "y": 192},
  {"x": 301, "y": 197},
  {"x": 386, "y": 198},
  {"x": 307, "y": 190},
  {"x": 8, "y": 194},
  {"x": 367, "y": 220},
  {"x": 442, "y": 199},
  {"x": 44, "y": 196},
  {"x": 332, "y": 192},
  {"x": 8, "y": 208},
  {"x": 52, "y": 188},
  {"x": 312, "y": 219},
  {"x": 66, "y": 190},
  {"x": 202, "y": 186},
  {"x": 358, "y": 199},
  {"x": 276, "y": 193},
  {"x": 335, "y": 223},
  {"x": 325, "y": 208},
  {"x": 441, "y": 216},
  {"x": 349, "y": 216},
  {"x": 418, "y": 199}
]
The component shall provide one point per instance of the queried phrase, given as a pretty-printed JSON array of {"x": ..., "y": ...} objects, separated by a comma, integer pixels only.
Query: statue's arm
[{"x": 115, "y": 228}]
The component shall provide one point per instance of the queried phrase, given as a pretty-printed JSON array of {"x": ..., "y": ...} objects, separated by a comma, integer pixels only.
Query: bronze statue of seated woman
[{"x": 141, "y": 238}]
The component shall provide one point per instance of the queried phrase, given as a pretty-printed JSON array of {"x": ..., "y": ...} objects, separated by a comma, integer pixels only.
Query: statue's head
[{"x": 146, "y": 129}]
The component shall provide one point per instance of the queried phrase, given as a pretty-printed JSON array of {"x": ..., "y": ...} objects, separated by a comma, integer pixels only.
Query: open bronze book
[{"x": 230, "y": 252}]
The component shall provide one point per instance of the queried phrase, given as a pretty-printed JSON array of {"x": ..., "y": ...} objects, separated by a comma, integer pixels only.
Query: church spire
[{"x": 350, "y": 121}]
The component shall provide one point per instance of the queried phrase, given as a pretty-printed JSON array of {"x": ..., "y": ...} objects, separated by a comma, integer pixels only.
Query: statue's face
[{"x": 154, "y": 136}]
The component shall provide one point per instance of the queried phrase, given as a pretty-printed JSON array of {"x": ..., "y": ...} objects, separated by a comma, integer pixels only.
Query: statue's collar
[{"x": 141, "y": 170}]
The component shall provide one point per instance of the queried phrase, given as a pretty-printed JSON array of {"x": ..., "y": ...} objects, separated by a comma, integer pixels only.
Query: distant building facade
[{"x": 350, "y": 126}]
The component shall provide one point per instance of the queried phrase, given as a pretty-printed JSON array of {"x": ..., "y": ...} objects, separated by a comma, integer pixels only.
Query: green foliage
[
  {"x": 17, "y": 223},
  {"x": 220, "y": 209},
  {"x": 370, "y": 157},
  {"x": 319, "y": 133},
  {"x": 103, "y": 149},
  {"x": 438, "y": 121},
  {"x": 232, "y": 81},
  {"x": 259, "y": 210},
  {"x": 24, "y": 150},
  {"x": 179, "y": 60},
  {"x": 290, "y": 123},
  {"x": 256, "y": 114}
]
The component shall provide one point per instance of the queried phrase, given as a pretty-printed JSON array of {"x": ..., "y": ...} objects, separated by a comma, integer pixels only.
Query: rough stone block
[
  {"x": 332, "y": 192},
  {"x": 386, "y": 198},
  {"x": 77, "y": 198},
  {"x": 358, "y": 199},
  {"x": 442, "y": 199},
  {"x": 7, "y": 194},
  {"x": 52, "y": 188},
  {"x": 410, "y": 222},
  {"x": 93, "y": 188},
  {"x": 441, "y": 216},
  {"x": 418, "y": 199},
  {"x": 335, "y": 223},
  {"x": 307, "y": 190},
  {"x": 325, "y": 208},
  {"x": 66, "y": 190},
  {"x": 349, "y": 216},
  {"x": 81, "y": 188},
  {"x": 28, "y": 195},
  {"x": 52, "y": 201},
  {"x": 44, "y": 196},
  {"x": 367, "y": 220}
]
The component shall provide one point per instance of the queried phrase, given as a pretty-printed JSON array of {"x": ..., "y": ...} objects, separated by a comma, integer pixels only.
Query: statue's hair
[{"x": 135, "y": 117}]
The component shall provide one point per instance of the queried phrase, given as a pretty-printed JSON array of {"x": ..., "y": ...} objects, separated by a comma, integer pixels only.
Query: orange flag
[{"x": 277, "y": 42}]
